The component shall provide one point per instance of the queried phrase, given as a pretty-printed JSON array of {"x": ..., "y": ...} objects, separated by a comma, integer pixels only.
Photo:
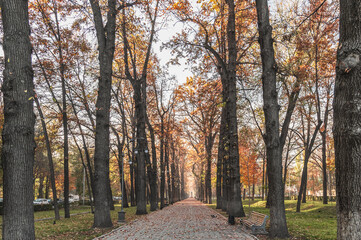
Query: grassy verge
[
  {"x": 76, "y": 227},
  {"x": 315, "y": 221}
]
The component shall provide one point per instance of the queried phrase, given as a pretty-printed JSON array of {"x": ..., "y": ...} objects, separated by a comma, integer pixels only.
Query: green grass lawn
[
  {"x": 315, "y": 221},
  {"x": 75, "y": 227}
]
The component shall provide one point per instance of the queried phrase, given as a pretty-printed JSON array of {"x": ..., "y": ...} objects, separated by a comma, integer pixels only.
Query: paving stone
[{"x": 187, "y": 219}]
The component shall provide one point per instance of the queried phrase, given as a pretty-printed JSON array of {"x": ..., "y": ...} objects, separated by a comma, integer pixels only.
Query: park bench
[{"x": 256, "y": 222}]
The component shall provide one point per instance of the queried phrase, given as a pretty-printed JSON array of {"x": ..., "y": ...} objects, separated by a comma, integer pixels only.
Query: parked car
[
  {"x": 73, "y": 198},
  {"x": 41, "y": 201},
  {"x": 117, "y": 198}
]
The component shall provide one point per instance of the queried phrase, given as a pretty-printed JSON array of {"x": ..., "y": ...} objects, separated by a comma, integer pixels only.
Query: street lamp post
[{"x": 121, "y": 214}]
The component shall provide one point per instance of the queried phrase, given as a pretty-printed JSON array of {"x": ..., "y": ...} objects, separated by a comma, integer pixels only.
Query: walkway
[{"x": 188, "y": 219}]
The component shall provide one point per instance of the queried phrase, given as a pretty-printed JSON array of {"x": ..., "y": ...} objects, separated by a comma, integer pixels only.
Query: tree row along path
[{"x": 188, "y": 219}]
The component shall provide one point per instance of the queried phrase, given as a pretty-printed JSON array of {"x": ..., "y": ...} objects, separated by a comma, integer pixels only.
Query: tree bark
[
  {"x": 66, "y": 150},
  {"x": 263, "y": 175},
  {"x": 182, "y": 183},
  {"x": 47, "y": 188},
  {"x": 209, "y": 146},
  {"x": 235, "y": 206},
  {"x": 140, "y": 110},
  {"x": 231, "y": 199},
  {"x": 172, "y": 169},
  {"x": 132, "y": 190},
  {"x": 324, "y": 167},
  {"x": 41, "y": 187},
  {"x": 153, "y": 180},
  {"x": 65, "y": 120},
  {"x": 19, "y": 119},
  {"x": 106, "y": 44},
  {"x": 324, "y": 149},
  {"x": 177, "y": 178},
  {"x": 162, "y": 165},
  {"x": 225, "y": 178},
  {"x": 278, "y": 226},
  {"x": 220, "y": 160},
  {"x": 166, "y": 161},
  {"x": 253, "y": 191},
  {"x": 347, "y": 122}
]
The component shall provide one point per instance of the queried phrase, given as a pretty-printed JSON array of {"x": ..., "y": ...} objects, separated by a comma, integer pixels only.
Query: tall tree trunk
[
  {"x": 267, "y": 189},
  {"x": 132, "y": 190},
  {"x": 278, "y": 226},
  {"x": 50, "y": 159},
  {"x": 66, "y": 147},
  {"x": 106, "y": 43},
  {"x": 162, "y": 165},
  {"x": 131, "y": 156},
  {"x": 324, "y": 156},
  {"x": 286, "y": 163},
  {"x": 347, "y": 122},
  {"x": 302, "y": 190},
  {"x": 140, "y": 148},
  {"x": 183, "y": 194},
  {"x": 178, "y": 179},
  {"x": 19, "y": 119},
  {"x": 220, "y": 158},
  {"x": 57, "y": 35},
  {"x": 225, "y": 183},
  {"x": 253, "y": 190},
  {"x": 223, "y": 132},
  {"x": 172, "y": 173},
  {"x": 41, "y": 187},
  {"x": 209, "y": 147},
  {"x": 263, "y": 175},
  {"x": 153, "y": 179},
  {"x": 324, "y": 167},
  {"x": 174, "y": 191},
  {"x": 304, "y": 196},
  {"x": 47, "y": 188},
  {"x": 235, "y": 207},
  {"x": 166, "y": 158},
  {"x": 139, "y": 85},
  {"x": 223, "y": 150}
]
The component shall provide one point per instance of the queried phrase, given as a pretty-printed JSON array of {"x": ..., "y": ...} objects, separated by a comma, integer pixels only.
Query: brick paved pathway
[{"x": 188, "y": 219}]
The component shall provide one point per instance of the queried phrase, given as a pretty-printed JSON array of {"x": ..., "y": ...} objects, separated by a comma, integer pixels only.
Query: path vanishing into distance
[{"x": 188, "y": 219}]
